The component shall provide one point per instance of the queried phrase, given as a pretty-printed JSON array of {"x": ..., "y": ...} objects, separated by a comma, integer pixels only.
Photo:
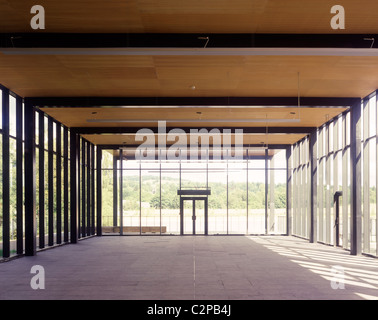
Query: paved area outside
[{"x": 187, "y": 268}]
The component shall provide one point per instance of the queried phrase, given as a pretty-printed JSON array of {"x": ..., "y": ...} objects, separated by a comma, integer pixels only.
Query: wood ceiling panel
[
  {"x": 82, "y": 117},
  {"x": 202, "y": 16},
  {"x": 212, "y": 76}
]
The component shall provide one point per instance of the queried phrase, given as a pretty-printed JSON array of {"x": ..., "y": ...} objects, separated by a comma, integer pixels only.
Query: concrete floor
[{"x": 188, "y": 268}]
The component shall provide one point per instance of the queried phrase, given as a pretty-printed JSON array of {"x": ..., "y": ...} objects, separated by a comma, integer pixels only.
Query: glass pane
[
  {"x": 12, "y": 116},
  {"x": 237, "y": 197},
  {"x": 188, "y": 216},
  {"x": 256, "y": 196},
  {"x": 131, "y": 197},
  {"x": 170, "y": 201},
  {"x": 217, "y": 219},
  {"x": 1, "y": 112},
  {"x": 373, "y": 195},
  {"x": 277, "y": 194},
  {"x": 46, "y": 127},
  {"x": 200, "y": 217},
  {"x": 372, "y": 116},
  {"x": 13, "y": 194},
  {"x": 150, "y": 195},
  {"x": 107, "y": 193}
]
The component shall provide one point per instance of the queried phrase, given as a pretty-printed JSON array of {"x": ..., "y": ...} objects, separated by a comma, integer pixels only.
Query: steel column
[
  {"x": 50, "y": 182},
  {"x": 74, "y": 181},
  {"x": 356, "y": 163},
  {"x": 58, "y": 183},
  {"x": 65, "y": 185},
  {"x": 88, "y": 226},
  {"x": 266, "y": 191},
  {"x": 115, "y": 192},
  {"x": 19, "y": 166},
  {"x": 41, "y": 178},
  {"x": 93, "y": 189},
  {"x": 313, "y": 187},
  {"x": 289, "y": 191},
  {"x": 99, "y": 191},
  {"x": 83, "y": 187},
  {"x": 120, "y": 190},
  {"x": 366, "y": 178},
  {"x": 30, "y": 182},
  {"x": 6, "y": 174}
]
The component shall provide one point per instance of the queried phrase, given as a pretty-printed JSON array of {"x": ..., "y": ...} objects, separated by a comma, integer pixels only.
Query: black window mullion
[
  {"x": 19, "y": 165},
  {"x": 41, "y": 177},
  {"x": 58, "y": 184},
  {"x": 93, "y": 189},
  {"x": 50, "y": 182},
  {"x": 88, "y": 150},
  {"x": 79, "y": 206},
  {"x": 65, "y": 183},
  {"x": 83, "y": 202},
  {"x": 6, "y": 174}
]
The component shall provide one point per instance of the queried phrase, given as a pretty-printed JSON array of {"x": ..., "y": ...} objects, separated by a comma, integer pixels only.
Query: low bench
[{"x": 129, "y": 229}]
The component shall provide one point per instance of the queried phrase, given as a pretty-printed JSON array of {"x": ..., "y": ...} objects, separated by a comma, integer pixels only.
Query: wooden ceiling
[
  {"x": 175, "y": 76},
  {"x": 219, "y": 117},
  {"x": 195, "y": 16},
  {"x": 62, "y": 75}
]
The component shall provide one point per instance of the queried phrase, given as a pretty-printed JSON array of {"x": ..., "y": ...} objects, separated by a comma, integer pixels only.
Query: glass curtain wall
[
  {"x": 333, "y": 178},
  {"x": 277, "y": 193},
  {"x": 238, "y": 203},
  {"x": 301, "y": 189},
  {"x": 369, "y": 175},
  {"x": 52, "y": 178}
]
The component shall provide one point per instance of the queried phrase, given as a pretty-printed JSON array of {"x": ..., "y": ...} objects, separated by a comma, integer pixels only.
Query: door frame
[{"x": 194, "y": 199}]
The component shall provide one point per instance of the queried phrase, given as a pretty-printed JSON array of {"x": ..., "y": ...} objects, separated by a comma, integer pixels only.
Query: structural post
[
  {"x": 88, "y": 226},
  {"x": 50, "y": 182},
  {"x": 266, "y": 191},
  {"x": 313, "y": 225},
  {"x": 115, "y": 192},
  {"x": 74, "y": 180},
  {"x": 355, "y": 153},
  {"x": 58, "y": 183},
  {"x": 93, "y": 206},
  {"x": 121, "y": 191},
  {"x": 65, "y": 184},
  {"x": 19, "y": 166},
  {"x": 289, "y": 191},
  {"x": 99, "y": 192},
  {"x": 6, "y": 174},
  {"x": 41, "y": 179},
  {"x": 30, "y": 182},
  {"x": 272, "y": 222}
]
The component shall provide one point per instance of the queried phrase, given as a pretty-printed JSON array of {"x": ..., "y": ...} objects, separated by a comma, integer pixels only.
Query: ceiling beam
[
  {"x": 185, "y": 40},
  {"x": 112, "y": 102},
  {"x": 246, "y": 130}
]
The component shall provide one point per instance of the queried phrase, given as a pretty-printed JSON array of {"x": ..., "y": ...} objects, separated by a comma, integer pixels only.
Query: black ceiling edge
[
  {"x": 184, "y": 40},
  {"x": 103, "y": 102},
  {"x": 246, "y": 130}
]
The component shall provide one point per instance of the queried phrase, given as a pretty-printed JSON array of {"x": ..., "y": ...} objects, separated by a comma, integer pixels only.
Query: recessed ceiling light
[{"x": 193, "y": 87}]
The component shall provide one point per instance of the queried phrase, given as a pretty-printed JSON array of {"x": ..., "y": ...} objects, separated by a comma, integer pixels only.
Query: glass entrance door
[{"x": 194, "y": 215}]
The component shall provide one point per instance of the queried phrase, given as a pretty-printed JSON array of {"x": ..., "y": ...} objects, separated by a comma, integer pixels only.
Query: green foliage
[{"x": 150, "y": 193}]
